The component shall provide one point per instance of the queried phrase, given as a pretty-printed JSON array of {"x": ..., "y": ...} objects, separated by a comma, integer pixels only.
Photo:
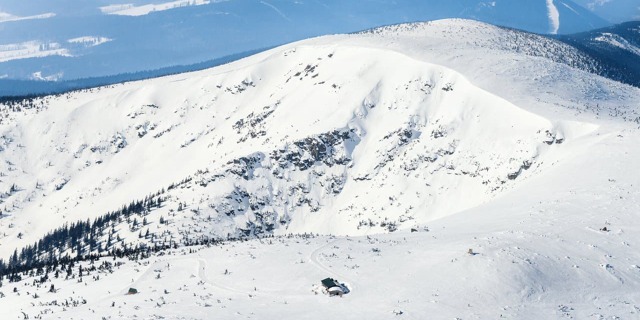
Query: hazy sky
[{"x": 612, "y": 10}]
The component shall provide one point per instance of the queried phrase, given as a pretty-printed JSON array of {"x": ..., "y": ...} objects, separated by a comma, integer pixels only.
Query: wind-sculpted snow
[{"x": 477, "y": 35}]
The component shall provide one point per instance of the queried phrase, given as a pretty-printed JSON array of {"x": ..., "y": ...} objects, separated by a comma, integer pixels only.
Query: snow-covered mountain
[
  {"x": 474, "y": 136},
  {"x": 616, "y": 50},
  {"x": 49, "y": 40}
]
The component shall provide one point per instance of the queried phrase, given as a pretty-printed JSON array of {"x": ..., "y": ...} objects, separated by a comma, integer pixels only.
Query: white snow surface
[
  {"x": 90, "y": 41},
  {"x": 133, "y": 10},
  {"x": 7, "y": 17},
  {"x": 52, "y": 77},
  {"x": 475, "y": 136},
  {"x": 39, "y": 49},
  {"x": 31, "y": 49}
]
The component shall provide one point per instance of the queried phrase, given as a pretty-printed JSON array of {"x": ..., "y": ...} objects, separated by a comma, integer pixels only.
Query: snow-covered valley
[{"x": 471, "y": 136}]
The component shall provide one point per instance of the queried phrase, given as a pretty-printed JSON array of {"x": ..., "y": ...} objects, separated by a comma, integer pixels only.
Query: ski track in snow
[
  {"x": 280, "y": 13},
  {"x": 314, "y": 258},
  {"x": 570, "y": 8},
  {"x": 202, "y": 274},
  {"x": 554, "y": 17}
]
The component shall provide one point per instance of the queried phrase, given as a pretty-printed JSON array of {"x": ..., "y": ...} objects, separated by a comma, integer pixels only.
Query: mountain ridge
[{"x": 248, "y": 25}]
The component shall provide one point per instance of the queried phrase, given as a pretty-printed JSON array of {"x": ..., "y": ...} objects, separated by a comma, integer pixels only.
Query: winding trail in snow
[
  {"x": 134, "y": 284},
  {"x": 313, "y": 258},
  {"x": 202, "y": 274}
]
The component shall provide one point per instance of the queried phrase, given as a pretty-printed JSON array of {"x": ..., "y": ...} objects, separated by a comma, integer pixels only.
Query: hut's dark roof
[{"x": 330, "y": 283}]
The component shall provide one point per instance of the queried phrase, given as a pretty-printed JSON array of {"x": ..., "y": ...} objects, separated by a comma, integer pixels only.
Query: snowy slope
[
  {"x": 491, "y": 139},
  {"x": 619, "y": 42},
  {"x": 539, "y": 254},
  {"x": 249, "y": 152},
  {"x": 256, "y": 160},
  {"x": 170, "y": 33}
]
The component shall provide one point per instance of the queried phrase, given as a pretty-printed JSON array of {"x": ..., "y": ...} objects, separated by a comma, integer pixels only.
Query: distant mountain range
[
  {"x": 66, "y": 40},
  {"x": 615, "y": 11}
]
